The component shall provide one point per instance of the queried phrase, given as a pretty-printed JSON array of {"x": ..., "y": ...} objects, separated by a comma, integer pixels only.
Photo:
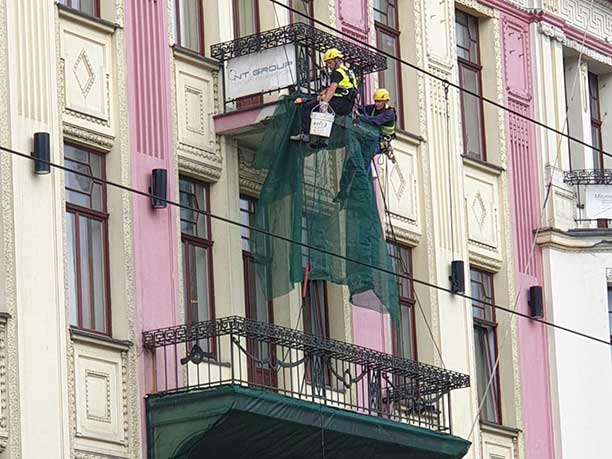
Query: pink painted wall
[
  {"x": 155, "y": 247},
  {"x": 369, "y": 327},
  {"x": 525, "y": 190}
]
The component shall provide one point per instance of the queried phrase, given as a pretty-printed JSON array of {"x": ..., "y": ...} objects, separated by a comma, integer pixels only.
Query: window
[
  {"x": 303, "y": 6},
  {"x": 257, "y": 306},
  {"x": 404, "y": 338},
  {"x": 485, "y": 337},
  {"x": 197, "y": 251},
  {"x": 598, "y": 162},
  {"x": 87, "y": 241},
  {"x": 468, "y": 60},
  {"x": 387, "y": 40},
  {"x": 91, "y": 7},
  {"x": 246, "y": 22},
  {"x": 316, "y": 322},
  {"x": 190, "y": 25},
  {"x": 246, "y": 17}
]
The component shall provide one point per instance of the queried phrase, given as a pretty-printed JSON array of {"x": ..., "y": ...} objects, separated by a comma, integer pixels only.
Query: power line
[
  {"x": 301, "y": 244},
  {"x": 443, "y": 80}
]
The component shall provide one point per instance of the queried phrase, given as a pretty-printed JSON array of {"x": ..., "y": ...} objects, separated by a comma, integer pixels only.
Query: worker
[
  {"x": 339, "y": 95},
  {"x": 383, "y": 115}
]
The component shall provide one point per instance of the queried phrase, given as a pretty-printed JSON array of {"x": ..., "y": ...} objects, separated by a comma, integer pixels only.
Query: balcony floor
[{"x": 232, "y": 421}]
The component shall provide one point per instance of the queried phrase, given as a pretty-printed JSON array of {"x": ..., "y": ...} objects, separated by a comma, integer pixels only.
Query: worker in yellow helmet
[
  {"x": 381, "y": 114},
  {"x": 339, "y": 95}
]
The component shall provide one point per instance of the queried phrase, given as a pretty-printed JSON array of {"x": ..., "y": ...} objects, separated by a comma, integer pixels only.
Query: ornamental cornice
[
  {"x": 484, "y": 261},
  {"x": 203, "y": 170},
  {"x": 582, "y": 242},
  {"x": 403, "y": 235},
  {"x": 87, "y": 137}
]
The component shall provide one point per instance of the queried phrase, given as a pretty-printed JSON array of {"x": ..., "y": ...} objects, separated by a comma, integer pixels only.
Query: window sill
[
  {"x": 410, "y": 136},
  {"x": 87, "y": 20},
  {"x": 194, "y": 58},
  {"x": 499, "y": 429},
  {"x": 483, "y": 165},
  {"x": 84, "y": 336}
]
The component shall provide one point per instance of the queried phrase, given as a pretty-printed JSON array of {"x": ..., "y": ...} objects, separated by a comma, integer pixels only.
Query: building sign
[
  {"x": 599, "y": 202},
  {"x": 264, "y": 71}
]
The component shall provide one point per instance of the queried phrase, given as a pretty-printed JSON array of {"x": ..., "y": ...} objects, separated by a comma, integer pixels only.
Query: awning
[{"x": 232, "y": 421}]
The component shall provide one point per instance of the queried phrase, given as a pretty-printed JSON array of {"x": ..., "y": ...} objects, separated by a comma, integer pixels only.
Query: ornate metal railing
[
  {"x": 236, "y": 350},
  {"x": 310, "y": 43},
  {"x": 588, "y": 177}
]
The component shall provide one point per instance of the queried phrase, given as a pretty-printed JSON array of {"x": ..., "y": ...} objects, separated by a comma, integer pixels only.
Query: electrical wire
[
  {"x": 441, "y": 79},
  {"x": 301, "y": 244}
]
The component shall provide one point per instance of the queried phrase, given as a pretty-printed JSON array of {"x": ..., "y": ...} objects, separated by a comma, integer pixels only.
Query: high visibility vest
[
  {"x": 348, "y": 82},
  {"x": 386, "y": 130}
]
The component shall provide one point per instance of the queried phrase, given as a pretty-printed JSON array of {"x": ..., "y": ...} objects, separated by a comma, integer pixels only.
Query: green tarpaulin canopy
[{"x": 233, "y": 421}]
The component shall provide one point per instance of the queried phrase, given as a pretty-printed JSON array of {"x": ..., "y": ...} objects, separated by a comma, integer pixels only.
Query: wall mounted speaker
[
  {"x": 536, "y": 304},
  {"x": 457, "y": 277},
  {"x": 42, "y": 153},
  {"x": 159, "y": 181}
]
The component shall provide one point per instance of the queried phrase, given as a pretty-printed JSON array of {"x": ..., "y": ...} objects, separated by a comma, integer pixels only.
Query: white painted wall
[{"x": 581, "y": 371}]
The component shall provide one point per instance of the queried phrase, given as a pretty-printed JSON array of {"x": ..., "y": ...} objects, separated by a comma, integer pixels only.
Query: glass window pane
[
  {"x": 595, "y": 137},
  {"x": 472, "y": 112},
  {"x": 485, "y": 361},
  {"x": 246, "y": 17},
  {"x": 189, "y": 24},
  {"x": 198, "y": 283},
  {"x": 82, "y": 190},
  {"x": 594, "y": 96},
  {"x": 91, "y": 239},
  {"x": 303, "y": 6},
  {"x": 195, "y": 196},
  {"x": 389, "y": 77},
  {"x": 71, "y": 267},
  {"x": 406, "y": 332}
]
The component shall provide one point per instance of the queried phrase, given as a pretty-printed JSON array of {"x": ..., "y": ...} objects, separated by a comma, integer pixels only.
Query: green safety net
[{"x": 323, "y": 197}]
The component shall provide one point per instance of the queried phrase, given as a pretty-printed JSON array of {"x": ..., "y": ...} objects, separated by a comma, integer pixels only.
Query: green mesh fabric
[{"x": 323, "y": 197}]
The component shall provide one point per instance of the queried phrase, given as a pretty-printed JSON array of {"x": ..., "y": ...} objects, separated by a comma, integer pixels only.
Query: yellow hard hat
[
  {"x": 332, "y": 53},
  {"x": 381, "y": 94}
]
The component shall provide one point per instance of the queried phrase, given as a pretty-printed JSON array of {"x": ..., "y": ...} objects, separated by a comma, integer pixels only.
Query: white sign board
[
  {"x": 264, "y": 71},
  {"x": 599, "y": 202}
]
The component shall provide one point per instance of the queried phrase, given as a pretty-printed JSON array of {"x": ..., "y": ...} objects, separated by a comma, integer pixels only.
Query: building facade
[{"x": 146, "y": 317}]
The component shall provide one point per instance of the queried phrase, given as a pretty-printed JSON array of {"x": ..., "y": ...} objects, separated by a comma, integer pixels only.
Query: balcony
[
  {"x": 244, "y": 118},
  {"x": 232, "y": 384}
]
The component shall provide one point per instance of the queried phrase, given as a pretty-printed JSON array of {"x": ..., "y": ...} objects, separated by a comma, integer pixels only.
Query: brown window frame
[
  {"x": 490, "y": 326},
  {"x": 404, "y": 302},
  {"x": 476, "y": 67},
  {"x": 200, "y": 26},
  {"x": 610, "y": 310},
  {"x": 101, "y": 216},
  {"x": 393, "y": 31},
  {"x": 206, "y": 243},
  {"x": 596, "y": 122},
  {"x": 68, "y": 4},
  {"x": 307, "y": 318}
]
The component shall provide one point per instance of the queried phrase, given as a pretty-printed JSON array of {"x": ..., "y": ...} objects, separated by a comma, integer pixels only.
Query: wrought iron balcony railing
[
  {"x": 236, "y": 350},
  {"x": 310, "y": 44},
  {"x": 588, "y": 177}
]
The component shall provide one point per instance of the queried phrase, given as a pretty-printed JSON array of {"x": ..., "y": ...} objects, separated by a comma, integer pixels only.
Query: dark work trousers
[{"x": 341, "y": 105}]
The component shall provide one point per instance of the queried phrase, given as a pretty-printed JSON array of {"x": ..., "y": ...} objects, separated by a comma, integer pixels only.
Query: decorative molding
[
  {"x": 87, "y": 137},
  {"x": 582, "y": 242},
  {"x": 250, "y": 179},
  {"x": 403, "y": 235},
  {"x": 203, "y": 170},
  {"x": 592, "y": 15},
  {"x": 91, "y": 375},
  {"x": 559, "y": 35}
]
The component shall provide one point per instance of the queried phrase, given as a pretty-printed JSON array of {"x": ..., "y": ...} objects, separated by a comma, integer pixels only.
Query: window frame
[
  {"x": 408, "y": 302},
  {"x": 476, "y": 67},
  {"x": 200, "y": 25},
  {"x": 247, "y": 257},
  {"x": 100, "y": 216},
  {"x": 204, "y": 243},
  {"x": 68, "y": 4},
  {"x": 236, "y": 18},
  {"x": 491, "y": 327},
  {"x": 393, "y": 31}
]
